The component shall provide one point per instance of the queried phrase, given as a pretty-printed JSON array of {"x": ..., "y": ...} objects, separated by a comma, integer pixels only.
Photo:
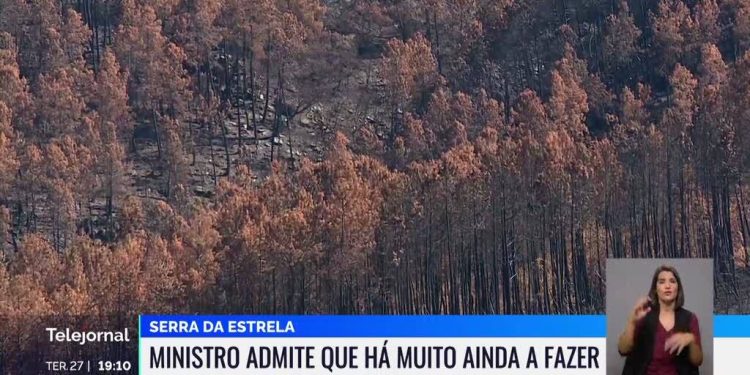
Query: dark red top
[{"x": 662, "y": 363}]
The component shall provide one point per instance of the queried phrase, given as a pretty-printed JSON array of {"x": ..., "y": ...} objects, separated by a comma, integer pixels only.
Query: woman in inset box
[{"x": 661, "y": 337}]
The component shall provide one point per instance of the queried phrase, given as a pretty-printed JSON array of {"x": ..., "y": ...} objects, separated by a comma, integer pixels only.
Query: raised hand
[{"x": 641, "y": 308}]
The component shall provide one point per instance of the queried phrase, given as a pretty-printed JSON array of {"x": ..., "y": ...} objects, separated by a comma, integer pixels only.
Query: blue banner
[
  {"x": 372, "y": 326},
  {"x": 732, "y": 326},
  {"x": 398, "y": 326}
]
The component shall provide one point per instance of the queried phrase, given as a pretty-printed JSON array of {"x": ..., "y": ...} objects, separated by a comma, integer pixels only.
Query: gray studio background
[{"x": 630, "y": 279}]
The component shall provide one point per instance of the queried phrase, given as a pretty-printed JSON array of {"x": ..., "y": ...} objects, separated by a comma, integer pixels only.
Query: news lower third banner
[{"x": 491, "y": 344}]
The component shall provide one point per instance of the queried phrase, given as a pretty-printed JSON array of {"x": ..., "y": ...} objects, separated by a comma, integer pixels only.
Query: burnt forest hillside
[{"x": 375, "y": 156}]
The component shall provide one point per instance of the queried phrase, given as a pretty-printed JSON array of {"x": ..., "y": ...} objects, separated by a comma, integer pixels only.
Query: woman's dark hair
[{"x": 680, "y": 300}]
